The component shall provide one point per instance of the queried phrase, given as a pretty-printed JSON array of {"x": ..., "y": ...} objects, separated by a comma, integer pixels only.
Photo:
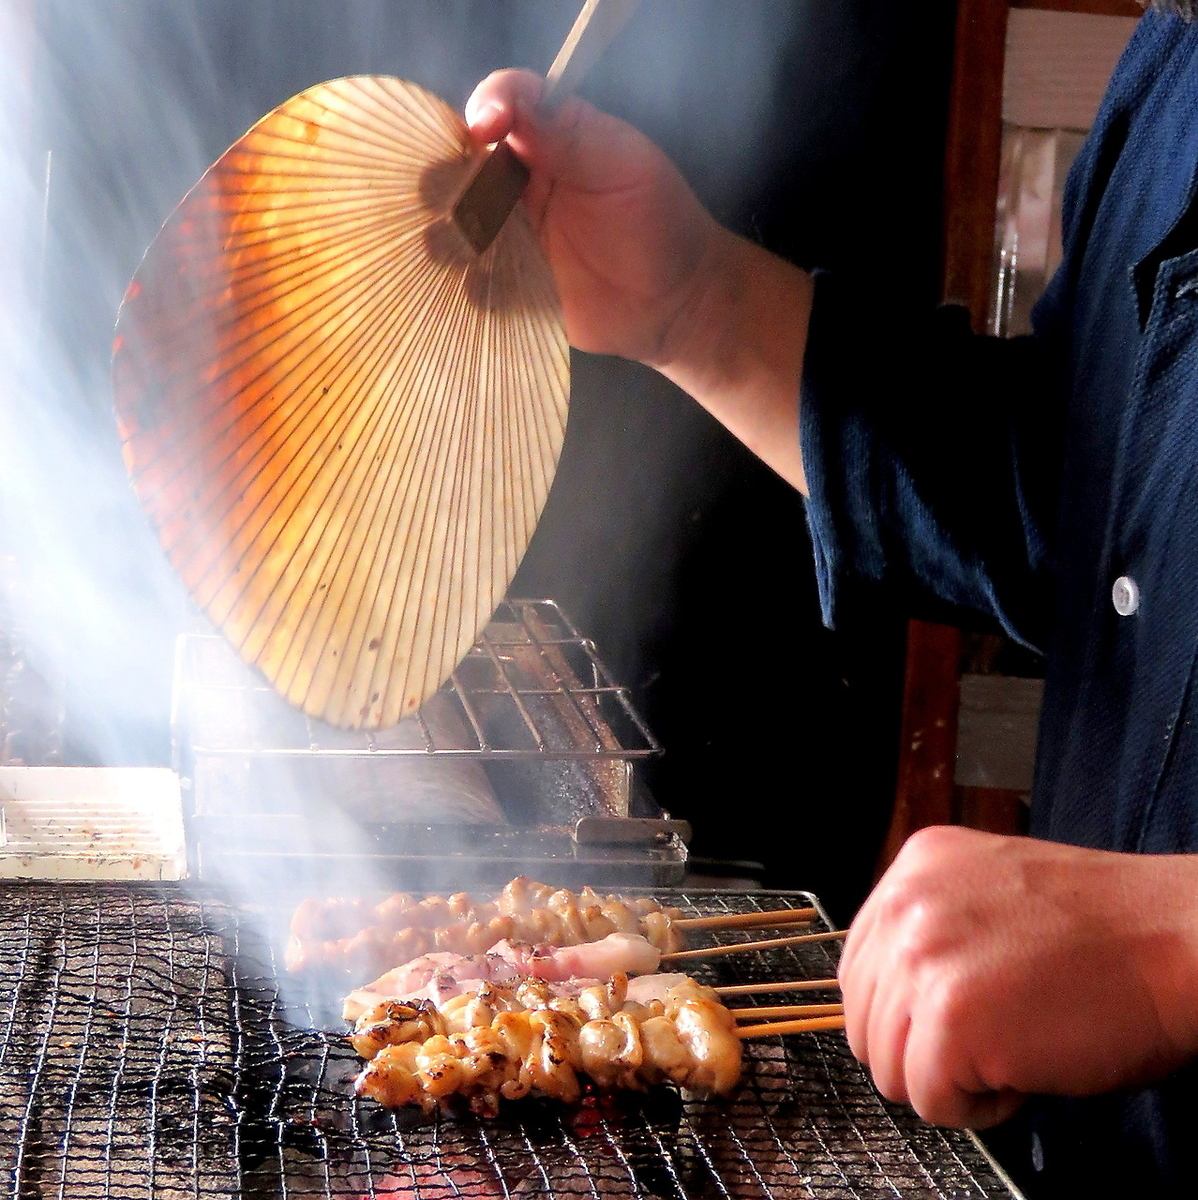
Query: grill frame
[
  {"x": 562, "y": 654},
  {"x": 532, "y": 708},
  {"x": 147, "y": 1048}
]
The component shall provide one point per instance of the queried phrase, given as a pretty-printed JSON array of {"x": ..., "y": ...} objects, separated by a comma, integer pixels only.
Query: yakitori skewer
[
  {"x": 764, "y": 1011},
  {"x": 801, "y": 939},
  {"x": 750, "y": 920},
  {"x": 503, "y": 1043},
  {"x": 802, "y": 1025},
  {"x": 362, "y": 936},
  {"x": 781, "y": 985}
]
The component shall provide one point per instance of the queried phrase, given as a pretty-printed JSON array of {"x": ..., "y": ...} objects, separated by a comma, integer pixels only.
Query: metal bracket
[{"x": 628, "y": 831}]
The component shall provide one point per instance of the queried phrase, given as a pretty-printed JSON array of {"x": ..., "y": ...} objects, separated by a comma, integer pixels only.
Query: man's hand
[
  {"x": 645, "y": 272},
  {"x": 628, "y": 242},
  {"x": 986, "y": 968}
]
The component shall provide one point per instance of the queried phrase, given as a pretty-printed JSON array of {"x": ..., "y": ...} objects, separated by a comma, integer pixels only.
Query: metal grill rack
[
  {"x": 532, "y": 676},
  {"x": 524, "y": 761},
  {"x": 150, "y": 1048}
]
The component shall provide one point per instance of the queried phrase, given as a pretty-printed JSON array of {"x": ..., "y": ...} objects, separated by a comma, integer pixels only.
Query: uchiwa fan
[{"x": 343, "y": 419}]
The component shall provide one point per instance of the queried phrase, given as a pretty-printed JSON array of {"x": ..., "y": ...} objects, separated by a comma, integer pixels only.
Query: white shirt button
[{"x": 1125, "y": 595}]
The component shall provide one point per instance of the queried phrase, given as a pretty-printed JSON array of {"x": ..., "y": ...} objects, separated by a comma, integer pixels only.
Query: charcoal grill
[
  {"x": 151, "y": 1046},
  {"x": 532, "y": 711}
]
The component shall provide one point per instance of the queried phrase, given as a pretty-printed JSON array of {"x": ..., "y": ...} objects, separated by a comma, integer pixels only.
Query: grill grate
[
  {"x": 149, "y": 1047},
  {"x": 532, "y": 687}
]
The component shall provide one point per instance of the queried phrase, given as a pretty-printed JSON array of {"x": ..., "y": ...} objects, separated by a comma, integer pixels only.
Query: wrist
[
  {"x": 693, "y": 336},
  {"x": 736, "y": 345},
  {"x": 1165, "y": 910}
]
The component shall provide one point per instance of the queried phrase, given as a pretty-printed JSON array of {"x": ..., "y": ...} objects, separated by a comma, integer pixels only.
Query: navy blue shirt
[{"x": 1021, "y": 479}]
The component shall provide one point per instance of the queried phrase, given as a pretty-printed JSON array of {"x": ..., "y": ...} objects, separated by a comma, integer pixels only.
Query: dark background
[{"x": 814, "y": 127}]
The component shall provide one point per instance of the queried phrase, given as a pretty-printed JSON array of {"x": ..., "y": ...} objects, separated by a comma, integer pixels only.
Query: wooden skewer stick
[
  {"x": 785, "y": 985},
  {"x": 744, "y": 947},
  {"x": 803, "y": 1025},
  {"x": 753, "y": 920},
  {"x": 761, "y": 1011}
]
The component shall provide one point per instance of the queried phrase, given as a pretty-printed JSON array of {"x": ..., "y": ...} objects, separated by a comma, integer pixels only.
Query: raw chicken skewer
[
  {"x": 438, "y": 977},
  {"x": 441, "y": 975}
]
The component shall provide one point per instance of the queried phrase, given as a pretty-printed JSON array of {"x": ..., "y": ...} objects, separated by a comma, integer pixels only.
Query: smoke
[
  {"x": 112, "y": 112},
  {"x": 113, "y": 108}
]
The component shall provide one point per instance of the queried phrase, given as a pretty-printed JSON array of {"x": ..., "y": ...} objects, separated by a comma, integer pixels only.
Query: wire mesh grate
[
  {"x": 150, "y": 1046},
  {"x": 531, "y": 687}
]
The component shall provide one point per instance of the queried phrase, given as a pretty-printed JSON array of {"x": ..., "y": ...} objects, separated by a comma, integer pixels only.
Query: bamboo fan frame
[{"x": 342, "y": 420}]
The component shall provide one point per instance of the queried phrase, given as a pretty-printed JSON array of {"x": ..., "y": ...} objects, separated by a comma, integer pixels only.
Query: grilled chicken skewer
[
  {"x": 535, "y": 1039},
  {"x": 357, "y": 937},
  {"x": 353, "y": 935}
]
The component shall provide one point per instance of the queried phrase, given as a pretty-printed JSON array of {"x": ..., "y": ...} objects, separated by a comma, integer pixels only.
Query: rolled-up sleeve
[{"x": 933, "y": 461}]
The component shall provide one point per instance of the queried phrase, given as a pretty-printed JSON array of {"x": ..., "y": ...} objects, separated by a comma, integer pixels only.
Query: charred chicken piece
[
  {"x": 354, "y": 935},
  {"x": 504, "y": 1043},
  {"x": 392, "y": 1023}
]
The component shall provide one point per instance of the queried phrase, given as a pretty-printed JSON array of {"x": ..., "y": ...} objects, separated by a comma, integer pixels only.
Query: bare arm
[
  {"x": 646, "y": 273},
  {"x": 739, "y": 352}
]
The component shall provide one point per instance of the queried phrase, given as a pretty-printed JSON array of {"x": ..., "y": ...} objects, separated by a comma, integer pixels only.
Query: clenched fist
[{"x": 984, "y": 968}]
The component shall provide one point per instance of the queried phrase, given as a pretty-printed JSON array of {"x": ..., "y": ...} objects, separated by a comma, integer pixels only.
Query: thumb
[
  {"x": 491, "y": 109},
  {"x": 573, "y": 142}
]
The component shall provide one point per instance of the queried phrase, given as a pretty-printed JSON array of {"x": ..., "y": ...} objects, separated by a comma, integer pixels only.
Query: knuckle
[
  {"x": 930, "y": 843},
  {"x": 916, "y": 935},
  {"x": 897, "y": 894},
  {"x": 571, "y": 125},
  {"x": 948, "y": 1003},
  {"x": 910, "y": 917}
]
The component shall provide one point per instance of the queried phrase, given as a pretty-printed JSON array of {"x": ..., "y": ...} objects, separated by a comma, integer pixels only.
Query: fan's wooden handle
[
  {"x": 492, "y": 194},
  {"x": 594, "y": 30}
]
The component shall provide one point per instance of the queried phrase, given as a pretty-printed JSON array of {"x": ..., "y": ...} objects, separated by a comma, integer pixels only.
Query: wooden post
[{"x": 927, "y": 746}]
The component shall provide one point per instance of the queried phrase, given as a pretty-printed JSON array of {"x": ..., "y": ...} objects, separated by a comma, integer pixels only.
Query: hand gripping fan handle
[{"x": 492, "y": 194}]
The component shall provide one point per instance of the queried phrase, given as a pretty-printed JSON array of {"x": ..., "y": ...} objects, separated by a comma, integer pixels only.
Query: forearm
[{"x": 737, "y": 348}]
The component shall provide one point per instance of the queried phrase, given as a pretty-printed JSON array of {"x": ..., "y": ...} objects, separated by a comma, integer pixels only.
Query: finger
[
  {"x": 858, "y": 1002},
  {"x": 858, "y": 934},
  {"x": 859, "y": 995},
  {"x": 857, "y": 980},
  {"x": 889, "y": 1028},
  {"x": 573, "y": 142},
  {"x": 490, "y": 123},
  {"x": 940, "y": 1089}
]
